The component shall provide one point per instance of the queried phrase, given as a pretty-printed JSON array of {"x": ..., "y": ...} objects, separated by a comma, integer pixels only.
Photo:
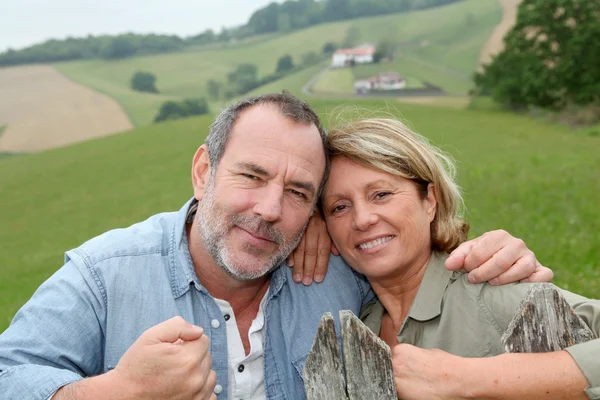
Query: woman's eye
[
  {"x": 337, "y": 209},
  {"x": 382, "y": 195}
]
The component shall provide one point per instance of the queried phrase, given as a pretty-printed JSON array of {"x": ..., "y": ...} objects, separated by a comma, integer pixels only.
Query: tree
[
  {"x": 171, "y": 110},
  {"x": 385, "y": 49},
  {"x": 119, "y": 47},
  {"x": 214, "y": 89},
  {"x": 550, "y": 59},
  {"x": 329, "y": 48},
  {"x": 144, "y": 82},
  {"x": 284, "y": 64},
  {"x": 243, "y": 79}
]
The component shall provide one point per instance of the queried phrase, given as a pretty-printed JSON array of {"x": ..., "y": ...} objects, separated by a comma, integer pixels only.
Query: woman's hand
[
  {"x": 309, "y": 260},
  {"x": 499, "y": 258},
  {"x": 427, "y": 374}
]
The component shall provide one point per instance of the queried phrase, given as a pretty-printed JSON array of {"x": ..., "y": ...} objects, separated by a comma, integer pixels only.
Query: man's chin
[{"x": 248, "y": 272}]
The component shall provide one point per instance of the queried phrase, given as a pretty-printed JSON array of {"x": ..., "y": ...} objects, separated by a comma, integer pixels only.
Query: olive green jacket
[{"x": 468, "y": 320}]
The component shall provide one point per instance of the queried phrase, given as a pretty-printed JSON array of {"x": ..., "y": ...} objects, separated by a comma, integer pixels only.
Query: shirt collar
[
  {"x": 181, "y": 265},
  {"x": 428, "y": 302}
]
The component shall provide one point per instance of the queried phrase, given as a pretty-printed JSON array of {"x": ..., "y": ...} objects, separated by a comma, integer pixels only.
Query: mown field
[
  {"x": 439, "y": 45},
  {"x": 536, "y": 180}
]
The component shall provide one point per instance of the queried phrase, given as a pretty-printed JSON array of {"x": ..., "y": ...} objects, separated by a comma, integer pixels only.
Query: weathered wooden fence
[{"x": 545, "y": 322}]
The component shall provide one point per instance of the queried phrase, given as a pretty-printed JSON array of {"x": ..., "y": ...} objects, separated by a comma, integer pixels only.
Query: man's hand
[
  {"x": 309, "y": 260},
  {"x": 426, "y": 374},
  {"x": 170, "y": 360},
  {"x": 499, "y": 258}
]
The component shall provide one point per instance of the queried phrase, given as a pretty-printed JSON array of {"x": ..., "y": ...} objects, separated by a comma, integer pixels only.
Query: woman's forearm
[{"x": 549, "y": 376}]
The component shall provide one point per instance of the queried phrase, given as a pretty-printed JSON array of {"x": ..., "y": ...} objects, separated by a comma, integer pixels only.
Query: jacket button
[
  {"x": 215, "y": 323},
  {"x": 218, "y": 389},
  {"x": 241, "y": 368}
]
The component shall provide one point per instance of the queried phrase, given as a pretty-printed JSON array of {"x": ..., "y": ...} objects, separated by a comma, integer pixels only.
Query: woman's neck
[{"x": 397, "y": 292}]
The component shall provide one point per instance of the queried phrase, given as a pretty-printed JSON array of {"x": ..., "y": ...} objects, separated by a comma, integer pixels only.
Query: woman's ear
[
  {"x": 431, "y": 202},
  {"x": 200, "y": 171}
]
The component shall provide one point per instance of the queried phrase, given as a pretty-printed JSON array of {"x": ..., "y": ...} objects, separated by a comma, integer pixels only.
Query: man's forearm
[
  {"x": 549, "y": 376},
  {"x": 95, "y": 388}
]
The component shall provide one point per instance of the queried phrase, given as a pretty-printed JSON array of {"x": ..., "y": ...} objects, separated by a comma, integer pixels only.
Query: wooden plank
[
  {"x": 545, "y": 323},
  {"x": 323, "y": 377},
  {"x": 368, "y": 361}
]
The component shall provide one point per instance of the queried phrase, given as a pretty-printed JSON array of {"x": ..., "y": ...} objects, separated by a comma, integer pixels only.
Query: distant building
[
  {"x": 383, "y": 81},
  {"x": 359, "y": 55}
]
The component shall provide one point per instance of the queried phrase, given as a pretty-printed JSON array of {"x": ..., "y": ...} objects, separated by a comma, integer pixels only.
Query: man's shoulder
[{"x": 147, "y": 237}]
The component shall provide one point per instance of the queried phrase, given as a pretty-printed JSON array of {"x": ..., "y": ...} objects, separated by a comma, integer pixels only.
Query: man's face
[{"x": 253, "y": 211}]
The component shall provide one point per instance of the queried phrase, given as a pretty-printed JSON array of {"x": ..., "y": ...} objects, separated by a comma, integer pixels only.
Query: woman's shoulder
[{"x": 498, "y": 303}]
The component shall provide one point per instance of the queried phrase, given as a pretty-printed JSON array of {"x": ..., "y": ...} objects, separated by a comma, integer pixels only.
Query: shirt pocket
[{"x": 299, "y": 361}]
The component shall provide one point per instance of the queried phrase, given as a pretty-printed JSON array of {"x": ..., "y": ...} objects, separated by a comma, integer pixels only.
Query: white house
[
  {"x": 388, "y": 81},
  {"x": 360, "y": 55},
  {"x": 383, "y": 81}
]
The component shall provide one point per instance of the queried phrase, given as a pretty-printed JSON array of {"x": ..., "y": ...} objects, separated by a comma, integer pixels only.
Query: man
[{"x": 193, "y": 305}]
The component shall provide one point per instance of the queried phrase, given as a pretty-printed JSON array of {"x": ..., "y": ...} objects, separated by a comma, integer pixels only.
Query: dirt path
[
  {"x": 495, "y": 43},
  {"x": 42, "y": 109}
]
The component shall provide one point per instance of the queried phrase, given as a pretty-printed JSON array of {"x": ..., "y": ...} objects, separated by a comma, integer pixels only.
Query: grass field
[
  {"x": 339, "y": 81},
  {"x": 453, "y": 36},
  {"x": 538, "y": 181}
]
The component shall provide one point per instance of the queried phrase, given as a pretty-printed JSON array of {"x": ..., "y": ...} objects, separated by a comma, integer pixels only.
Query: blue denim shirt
[{"x": 111, "y": 289}]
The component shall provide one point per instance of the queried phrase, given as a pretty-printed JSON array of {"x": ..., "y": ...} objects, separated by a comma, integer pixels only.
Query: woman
[{"x": 392, "y": 209}]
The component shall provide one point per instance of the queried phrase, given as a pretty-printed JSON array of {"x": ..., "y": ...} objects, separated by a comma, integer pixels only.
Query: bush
[
  {"x": 329, "y": 48},
  {"x": 171, "y": 110},
  {"x": 144, "y": 82},
  {"x": 284, "y": 64}
]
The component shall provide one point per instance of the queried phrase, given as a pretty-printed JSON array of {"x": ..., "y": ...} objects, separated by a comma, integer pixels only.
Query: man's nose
[{"x": 269, "y": 202}]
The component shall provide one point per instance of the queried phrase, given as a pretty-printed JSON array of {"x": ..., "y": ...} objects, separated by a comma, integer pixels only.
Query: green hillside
[
  {"x": 536, "y": 180},
  {"x": 451, "y": 37}
]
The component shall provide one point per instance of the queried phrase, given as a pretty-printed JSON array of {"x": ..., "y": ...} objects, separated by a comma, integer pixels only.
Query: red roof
[{"x": 361, "y": 51}]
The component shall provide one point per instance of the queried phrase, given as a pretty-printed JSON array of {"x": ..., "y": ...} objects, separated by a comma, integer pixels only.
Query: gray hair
[{"x": 289, "y": 106}]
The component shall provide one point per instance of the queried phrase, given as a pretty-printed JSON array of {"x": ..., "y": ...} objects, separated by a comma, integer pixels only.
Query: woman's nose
[{"x": 363, "y": 218}]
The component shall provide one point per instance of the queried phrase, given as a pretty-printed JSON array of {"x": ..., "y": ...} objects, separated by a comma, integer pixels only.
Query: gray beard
[{"x": 214, "y": 225}]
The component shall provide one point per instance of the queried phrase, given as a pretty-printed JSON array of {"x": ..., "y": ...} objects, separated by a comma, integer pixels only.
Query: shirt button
[
  {"x": 241, "y": 368},
  {"x": 226, "y": 317},
  {"x": 218, "y": 389},
  {"x": 215, "y": 323}
]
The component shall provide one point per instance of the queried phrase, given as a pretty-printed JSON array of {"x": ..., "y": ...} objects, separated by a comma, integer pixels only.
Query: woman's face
[{"x": 379, "y": 222}]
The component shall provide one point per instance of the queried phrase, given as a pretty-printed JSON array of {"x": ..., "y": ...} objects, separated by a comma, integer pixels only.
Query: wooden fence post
[
  {"x": 545, "y": 323},
  {"x": 367, "y": 362}
]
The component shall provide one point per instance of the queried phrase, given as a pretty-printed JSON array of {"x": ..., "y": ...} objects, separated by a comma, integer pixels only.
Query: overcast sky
[{"x": 25, "y": 22}]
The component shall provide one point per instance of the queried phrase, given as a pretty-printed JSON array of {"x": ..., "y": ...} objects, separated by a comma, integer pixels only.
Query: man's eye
[
  {"x": 298, "y": 194},
  {"x": 250, "y": 176}
]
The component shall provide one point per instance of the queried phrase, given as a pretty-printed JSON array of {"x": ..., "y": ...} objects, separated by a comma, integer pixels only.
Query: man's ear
[
  {"x": 200, "y": 171},
  {"x": 431, "y": 202}
]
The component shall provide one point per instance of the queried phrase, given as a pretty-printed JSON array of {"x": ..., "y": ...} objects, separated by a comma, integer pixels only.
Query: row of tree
[
  {"x": 107, "y": 47},
  {"x": 297, "y": 14},
  {"x": 276, "y": 17}
]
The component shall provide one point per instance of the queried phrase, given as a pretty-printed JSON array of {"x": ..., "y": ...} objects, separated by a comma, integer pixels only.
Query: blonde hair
[{"x": 390, "y": 146}]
